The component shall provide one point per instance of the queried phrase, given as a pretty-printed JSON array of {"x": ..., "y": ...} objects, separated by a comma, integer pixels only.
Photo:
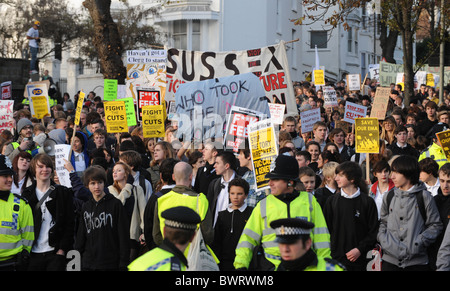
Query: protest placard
[
  {"x": 430, "y": 80},
  {"x": 319, "y": 77},
  {"x": 374, "y": 72},
  {"x": 269, "y": 64},
  {"x": 236, "y": 132},
  {"x": 81, "y": 97},
  {"x": 153, "y": 117},
  {"x": 277, "y": 112},
  {"x": 110, "y": 90},
  {"x": 148, "y": 75},
  {"x": 353, "y": 110},
  {"x": 367, "y": 135},
  {"x": 6, "y": 115},
  {"x": 308, "y": 118},
  {"x": 202, "y": 107},
  {"x": 39, "y": 104},
  {"x": 354, "y": 82},
  {"x": 329, "y": 97},
  {"x": 6, "y": 89},
  {"x": 62, "y": 151},
  {"x": 380, "y": 103},
  {"x": 444, "y": 139},
  {"x": 147, "y": 97},
  {"x": 131, "y": 112},
  {"x": 116, "y": 116},
  {"x": 263, "y": 149}
]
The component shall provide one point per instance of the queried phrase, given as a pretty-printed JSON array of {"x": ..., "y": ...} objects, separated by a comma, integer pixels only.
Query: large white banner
[{"x": 268, "y": 63}]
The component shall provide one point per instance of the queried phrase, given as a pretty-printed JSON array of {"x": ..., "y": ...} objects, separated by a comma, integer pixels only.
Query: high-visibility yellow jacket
[
  {"x": 323, "y": 264},
  {"x": 257, "y": 231},
  {"x": 436, "y": 153},
  {"x": 157, "y": 260},
  {"x": 16, "y": 227}
]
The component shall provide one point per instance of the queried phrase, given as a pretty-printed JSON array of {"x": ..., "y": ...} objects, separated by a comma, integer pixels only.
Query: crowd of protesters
[{"x": 110, "y": 214}]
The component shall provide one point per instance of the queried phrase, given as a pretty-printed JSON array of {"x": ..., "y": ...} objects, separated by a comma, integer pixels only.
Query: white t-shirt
[
  {"x": 33, "y": 33},
  {"x": 42, "y": 245},
  {"x": 223, "y": 200}
]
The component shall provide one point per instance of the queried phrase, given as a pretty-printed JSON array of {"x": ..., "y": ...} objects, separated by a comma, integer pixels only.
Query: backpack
[{"x": 419, "y": 198}]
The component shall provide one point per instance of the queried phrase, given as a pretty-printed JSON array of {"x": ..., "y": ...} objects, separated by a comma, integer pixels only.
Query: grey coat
[
  {"x": 443, "y": 257},
  {"x": 403, "y": 235}
]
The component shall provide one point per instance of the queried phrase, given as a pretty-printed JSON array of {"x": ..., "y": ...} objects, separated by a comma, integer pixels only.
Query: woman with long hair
[
  {"x": 133, "y": 199},
  {"x": 22, "y": 177},
  {"x": 162, "y": 151},
  {"x": 387, "y": 130}
]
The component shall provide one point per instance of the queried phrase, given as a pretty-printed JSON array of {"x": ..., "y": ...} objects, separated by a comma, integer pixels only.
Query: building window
[
  {"x": 319, "y": 38},
  {"x": 356, "y": 40},
  {"x": 180, "y": 34},
  {"x": 350, "y": 39},
  {"x": 196, "y": 35}
]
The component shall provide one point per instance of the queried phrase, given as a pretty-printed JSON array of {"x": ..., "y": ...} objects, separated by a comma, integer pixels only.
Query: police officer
[
  {"x": 179, "y": 230},
  {"x": 257, "y": 241},
  {"x": 435, "y": 150},
  {"x": 294, "y": 242},
  {"x": 16, "y": 220}
]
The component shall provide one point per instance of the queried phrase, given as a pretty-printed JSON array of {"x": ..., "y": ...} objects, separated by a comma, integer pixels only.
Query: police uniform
[
  {"x": 16, "y": 224},
  {"x": 290, "y": 231},
  {"x": 435, "y": 151},
  {"x": 167, "y": 257},
  {"x": 257, "y": 232}
]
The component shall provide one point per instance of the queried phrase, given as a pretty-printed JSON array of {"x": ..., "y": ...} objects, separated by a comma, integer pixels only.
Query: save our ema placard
[
  {"x": 367, "y": 135},
  {"x": 444, "y": 139},
  {"x": 116, "y": 117}
]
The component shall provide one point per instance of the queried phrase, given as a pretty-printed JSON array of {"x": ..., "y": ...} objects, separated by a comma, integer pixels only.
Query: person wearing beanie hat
[
  {"x": 17, "y": 233},
  {"x": 180, "y": 226},
  {"x": 286, "y": 201},
  {"x": 25, "y": 140}
]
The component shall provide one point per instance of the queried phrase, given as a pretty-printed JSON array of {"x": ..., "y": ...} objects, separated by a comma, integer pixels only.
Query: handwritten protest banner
[
  {"x": 109, "y": 90},
  {"x": 147, "y": 75},
  {"x": 6, "y": 89},
  {"x": 6, "y": 115},
  {"x": 116, "y": 116},
  {"x": 367, "y": 135},
  {"x": 269, "y": 64},
  {"x": 353, "y": 110},
  {"x": 201, "y": 107},
  {"x": 153, "y": 120},
  {"x": 380, "y": 102},
  {"x": 308, "y": 118},
  {"x": 263, "y": 149},
  {"x": 354, "y": 82},
  {"x": 236, "y": 132},
  {"x": 277, "y": 112},
  {"x": 129, "y": 108},
  {"x": 329, "y": 97},
  {"x": 62, "y": 151}
]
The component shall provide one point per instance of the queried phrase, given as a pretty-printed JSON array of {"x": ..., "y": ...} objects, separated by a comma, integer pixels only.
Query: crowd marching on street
[{"x": 137, "y": 203}]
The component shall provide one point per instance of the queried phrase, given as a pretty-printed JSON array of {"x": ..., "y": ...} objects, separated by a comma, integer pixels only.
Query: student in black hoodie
[
  {"x": 230, "y": 224},
  {"x": 103, "y": 237}
]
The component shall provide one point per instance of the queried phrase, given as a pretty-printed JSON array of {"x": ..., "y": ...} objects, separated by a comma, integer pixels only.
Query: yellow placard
[
  {"x": 444, "y": 139},
  {"x": 79, "y": 107},
  {"x": 367, "y": 135},
  {"x": 153, "y": 117},
  {"x": 430, "y": 80},
  {"x": 40, "y": 105},
  {"x": 116, "y": 117},
  {"x": 319, "y": 77}
]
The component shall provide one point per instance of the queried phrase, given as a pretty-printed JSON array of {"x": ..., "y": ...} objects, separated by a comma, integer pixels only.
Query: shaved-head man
[{"x": 183, "y": 195}]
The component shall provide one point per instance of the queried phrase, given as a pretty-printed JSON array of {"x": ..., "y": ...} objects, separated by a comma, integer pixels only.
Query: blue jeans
[{"x": 34, "y": 52}]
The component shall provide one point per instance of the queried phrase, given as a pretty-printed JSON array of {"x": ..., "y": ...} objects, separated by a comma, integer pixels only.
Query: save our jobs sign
[
  {"x": 116, "y": 117},
  {"x": 263, "y": 150},
  {"x": 39, "y": 104}
]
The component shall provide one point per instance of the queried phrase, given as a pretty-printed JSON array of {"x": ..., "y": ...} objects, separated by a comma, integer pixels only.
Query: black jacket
[
  {"x": 61, "y": 207},
  {"x": 204, "y": 177},
  {"x": 408, "y": 150},
  {"x": 103, "y": 236}
]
